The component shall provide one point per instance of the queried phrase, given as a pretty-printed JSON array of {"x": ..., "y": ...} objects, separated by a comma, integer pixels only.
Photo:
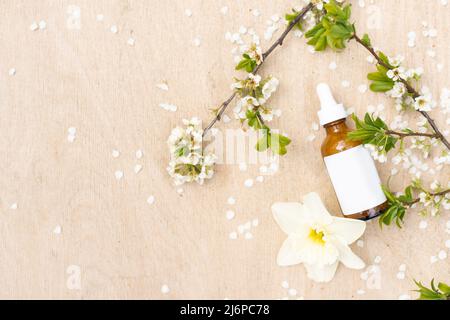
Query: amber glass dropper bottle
[{"x": 350, "y": 165}]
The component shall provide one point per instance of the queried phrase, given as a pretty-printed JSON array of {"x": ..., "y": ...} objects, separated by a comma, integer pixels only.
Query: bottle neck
[{"x": 338, "y": 126}]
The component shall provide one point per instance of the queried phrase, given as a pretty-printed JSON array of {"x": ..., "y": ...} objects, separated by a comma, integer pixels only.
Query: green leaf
[
  {"x": 263, "y": 143},
  {"x": 366, "y": 40},
  {"x": 381, "y": 86}
]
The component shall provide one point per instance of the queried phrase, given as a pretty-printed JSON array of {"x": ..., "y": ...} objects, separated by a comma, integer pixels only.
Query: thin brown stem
[
  {"x": 438, "y": 134},
  {"x": 437, "y": 194},
  {"x": 277, "y": 43},
  {"x": 411, "y": 134}
]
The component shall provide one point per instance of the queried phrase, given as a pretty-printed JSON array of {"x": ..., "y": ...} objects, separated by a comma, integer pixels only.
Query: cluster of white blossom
[
  {"x": 254, "y": 93},
  {"x": 399, "y": 92},
  {"x": 239, "y": 39},
  {"x": 189, "y": 162},
  {"x": 431, "y": 201}
]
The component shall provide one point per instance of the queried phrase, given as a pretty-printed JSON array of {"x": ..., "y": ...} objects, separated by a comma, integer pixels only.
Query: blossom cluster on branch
[{"x": 334, "y": 30}]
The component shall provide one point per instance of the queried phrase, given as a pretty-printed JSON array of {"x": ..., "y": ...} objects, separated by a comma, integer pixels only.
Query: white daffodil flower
[{"x": 317, "y": 239}]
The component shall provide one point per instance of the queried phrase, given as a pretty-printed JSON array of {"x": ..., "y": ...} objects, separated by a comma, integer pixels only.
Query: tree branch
[
  {"x": 278, "y": 42},
  {"x": 437, "y": 194},
  {"x": 411, "y": 134},
  {"x": 438, "y": 134}
]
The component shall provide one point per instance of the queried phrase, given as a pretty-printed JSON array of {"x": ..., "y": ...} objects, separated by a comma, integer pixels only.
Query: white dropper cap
[{"x": 330, "y": 110}]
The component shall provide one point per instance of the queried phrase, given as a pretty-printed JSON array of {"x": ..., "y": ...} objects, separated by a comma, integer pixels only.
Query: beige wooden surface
[{"x": 91, "y": 79}]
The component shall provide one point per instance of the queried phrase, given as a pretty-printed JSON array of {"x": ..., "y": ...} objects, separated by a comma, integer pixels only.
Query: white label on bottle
[{"x": 355, "y": 180}]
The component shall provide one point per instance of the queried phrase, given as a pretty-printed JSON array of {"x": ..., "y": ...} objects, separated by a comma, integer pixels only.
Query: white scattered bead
[
  {"x": 180, "y": 191},
  {"x": 402, "y": 267},
  {"x": 131, "y": 42},
  {"x": 168, "y": 107},
  {"x": 423, "y": 224},
  {"x": 139, "y": 154},
  {"x": 243, "y": 166},
  {"x": 249, "y": 183},
  {"x": 377, "y": 259},
  {"x": 332, "y": 66},
  {"x": 115, "y": 154},
  {"x": 248, "y": 236},
  {"x": 345, "y": 83},
  {"x": 255, "y": 222},
  {"x": 442, "y": 255},
  {"x": 311, "y": 137},
  {"x": 57, "y": 230},
  {"x": 137, "y": 168},
  {"x": 260, "y": 179},
  {"x": 241, "y": 228},
  {"x": 197, "y": 42},
  {"x": 433, "y": 259},
  {"x": 292, "y": 292},
  {"x": 118, "y": 174},
  {"x": 72, "y": 131},
  {"x": 231, "y": 201},
  {"x": 256, "y": 12},
  {"x": 230, "y": 215},
  {"x": 151, "y": 200},
  {"x": 165, "y": 289},
  {"x": 188, "y": 12},
  {"x": 226, "y": 119},
  {"x": 447, "y": 243},
  {"x": 233, "y": 235},
  {"x": 114, "y": 29},
  {"x": 14, "y": 206},
  {"x": 163, "y": 86},
  {"x": 404, "y": 297},
  {"x": 224, "y": 10},
  {"x": 34, "y": 26},
  {"x": 360, "y": 243},
  {"x": 100, "y": 17},
  {"x": 401, "y": 275},
  {"x": 361, "y": 292},
  {"x": 362, "y": 88},
  {"x": 285, "y": 284},
  {"x": 42, "y": 24},
  {"x": 12, "y": 72}
]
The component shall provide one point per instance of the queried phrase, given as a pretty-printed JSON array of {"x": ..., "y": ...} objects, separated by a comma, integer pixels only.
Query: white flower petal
[
  {"x": 323, "y": 273},
  {"x": 347, "y": 257},
  {"x": 348, "y": 230},
  {"x": 315, "y": 208},
  {"x": 289, "y": 216},
  {"x": 288, "y": 254}
]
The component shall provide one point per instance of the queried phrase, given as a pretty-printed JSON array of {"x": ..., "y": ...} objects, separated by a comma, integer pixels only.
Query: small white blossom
[
  {"x": 424, "y": 102},
  {"x": 270, "y": 87},
  {"x": 398, "y": 91},
  {"x": 397, "y": 74}
]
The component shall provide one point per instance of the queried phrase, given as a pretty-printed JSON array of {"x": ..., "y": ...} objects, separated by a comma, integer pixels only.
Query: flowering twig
[
  {"x": 438, "y": 134},
  {"x": 402, "y": 135},
  {"x": 334, "y": 30},
  {"x": 278, "y": 42},
  {"x": 431, "y": 195}
]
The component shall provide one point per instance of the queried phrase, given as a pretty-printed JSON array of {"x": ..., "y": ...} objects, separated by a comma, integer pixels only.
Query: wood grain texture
[{"x": 91, "y": 79}]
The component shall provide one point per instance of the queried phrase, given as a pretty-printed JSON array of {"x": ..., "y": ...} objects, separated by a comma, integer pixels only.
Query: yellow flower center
[{"x": 317, "y": 237}]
